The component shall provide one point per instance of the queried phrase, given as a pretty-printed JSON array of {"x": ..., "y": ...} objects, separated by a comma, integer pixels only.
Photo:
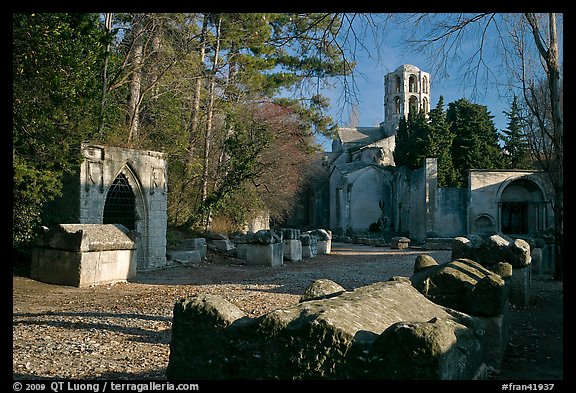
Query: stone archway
[
  {"x": 125, "y": 205},
  {"x": 120, "y": 205},
  {"x": 522, "y": 209}
]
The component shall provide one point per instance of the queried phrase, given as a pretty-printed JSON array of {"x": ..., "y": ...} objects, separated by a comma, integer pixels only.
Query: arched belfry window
[
  {"x": 397, "y": 105},
  {"x": 413, "y": 104},
  {"x": 425, "y": 85},
  {"x": 425, "y": 105},
  {"x": 412, "y": 87},
  {"x": 397, "y": 82},
  {"x": 120, "y": 205}
]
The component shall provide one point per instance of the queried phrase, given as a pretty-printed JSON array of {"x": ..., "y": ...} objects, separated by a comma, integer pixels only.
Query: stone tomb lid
[{"x": 88, "y": 237}]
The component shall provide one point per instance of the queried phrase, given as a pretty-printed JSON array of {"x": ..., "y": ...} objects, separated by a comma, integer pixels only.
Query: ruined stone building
[
  {"x": 116, "y": 185},
  {"x": 364, "y": 190}
]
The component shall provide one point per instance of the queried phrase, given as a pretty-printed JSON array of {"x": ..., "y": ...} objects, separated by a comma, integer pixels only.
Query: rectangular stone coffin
[
  {"x": 324, "y": 247},
  {"x": 264, "y": 254},
  {"x": 520, "y": 291},
  {"x": 292, "y": 250},
  {"x": 81, "y": 255}
]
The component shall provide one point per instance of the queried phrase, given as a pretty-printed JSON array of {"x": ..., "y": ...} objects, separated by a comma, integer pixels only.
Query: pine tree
[
  {"x": 476, "y": 141},
  {"x": 515, "y": 142},
  {"x": 411, "y": 140},
  {"x": 439, "y": 144}
]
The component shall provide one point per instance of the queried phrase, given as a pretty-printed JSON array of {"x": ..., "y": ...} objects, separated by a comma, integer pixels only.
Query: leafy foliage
[
  {"x": 462, "y": 138},
  {"x": 56, "y": 62},
  {"x": 476, "y": 140}
]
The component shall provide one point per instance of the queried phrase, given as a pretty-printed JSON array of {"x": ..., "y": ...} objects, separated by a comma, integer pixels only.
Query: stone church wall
[
  {"x": 490, "y": 189},
  {"x": 449, "y": 213}
]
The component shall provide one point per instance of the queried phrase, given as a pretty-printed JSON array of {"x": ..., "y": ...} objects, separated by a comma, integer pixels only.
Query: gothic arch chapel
[{"x": 116, "y": 185}]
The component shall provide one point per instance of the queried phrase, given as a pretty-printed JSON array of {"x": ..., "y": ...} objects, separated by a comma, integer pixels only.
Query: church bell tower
[{"x": 405, "y": 89}]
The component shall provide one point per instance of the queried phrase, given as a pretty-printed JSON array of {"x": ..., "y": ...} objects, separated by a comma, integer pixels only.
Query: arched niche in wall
[{"x": 522, "y": 207}]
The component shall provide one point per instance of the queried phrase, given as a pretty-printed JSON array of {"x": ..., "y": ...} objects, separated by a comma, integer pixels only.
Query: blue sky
[{"x": 370, "y": 87}]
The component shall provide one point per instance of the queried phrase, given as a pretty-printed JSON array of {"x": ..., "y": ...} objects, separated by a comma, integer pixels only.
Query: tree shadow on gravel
[{"x": 137, "y": 334}]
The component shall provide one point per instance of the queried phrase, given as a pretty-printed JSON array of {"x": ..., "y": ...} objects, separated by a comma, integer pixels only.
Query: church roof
[
  {"x": 355, "y": 166},
  {"x": 361, "y": 135},
  {"x": 407, "y": 68}
]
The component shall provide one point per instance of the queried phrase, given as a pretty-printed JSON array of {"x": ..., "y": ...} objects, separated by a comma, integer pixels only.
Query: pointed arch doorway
[
  {"x": 125, "y": 205},
  {"x": 120, "y": 205}
]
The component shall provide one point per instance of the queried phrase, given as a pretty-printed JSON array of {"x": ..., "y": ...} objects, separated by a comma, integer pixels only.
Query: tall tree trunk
[
  {"x": 108, "y": 28},
  {"x": 136, "y": 81},
  {"x": 194, "y": 118},
  {"x": 209, "y": 117},
  {"x": 551, "y": 59}
]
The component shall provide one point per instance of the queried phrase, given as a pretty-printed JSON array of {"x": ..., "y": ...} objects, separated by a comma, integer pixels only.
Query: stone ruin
[
  {"x": 271, "y": 247},
  {"x": 468, "y": 287},
  {"x": 81, "y": 255},
  {"x": 447, "y": 321},
  {"x": 386, "y": 330},
  {"x": 496, "y": 249},
  {"x": 115, "y": 185}
]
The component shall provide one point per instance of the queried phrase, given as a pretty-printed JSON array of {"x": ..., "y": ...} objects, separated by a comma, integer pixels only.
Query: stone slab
[
  {"x": 82, "y": 269},
  {"x": 264, "y": 254},
  {"x": 292, "y": 249}
]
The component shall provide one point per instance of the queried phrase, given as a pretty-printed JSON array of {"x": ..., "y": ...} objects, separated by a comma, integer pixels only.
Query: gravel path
[{"x": 122, "y": 331}]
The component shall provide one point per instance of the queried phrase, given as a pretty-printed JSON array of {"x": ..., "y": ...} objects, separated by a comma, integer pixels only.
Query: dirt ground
[{"x": 121, "y": 331}]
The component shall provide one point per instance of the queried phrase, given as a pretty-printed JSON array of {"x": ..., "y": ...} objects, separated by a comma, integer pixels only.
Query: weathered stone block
[
  {"x": 324, "y": 247},
  {"x": 321, "y": 289},
  {"x": 292, "y": 250},
  {"x": 223, "y": 244},
  {"x": 430, "y": 350},
  {"x": 198, "y": 244},
  {"x": 190, "y": 257},
  {"x": 520, "y": 288},
  {"x": 290, "y": 234},
  {"x": 309, "y": 245},
  {"x": 495, "y": 338},
  {"x": 347, "y": 336},
  {"x": 242, "y": 250},
  {"x": 465, "y": 286},
  {"x": 84, "y": 254},
  {"x": 264, "y": 254},
  {"x": 536, "y": 257},
  {"x": 307, "y": 252},
  {"x": 424, "y": 261},
  {"x": 497, "y": 248},
  {"x": 399, "y": 242}
]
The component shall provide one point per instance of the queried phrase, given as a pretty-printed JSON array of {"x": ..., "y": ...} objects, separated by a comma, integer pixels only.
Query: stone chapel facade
[
  {"x": 365, "y": 191},
  {"x": 116, "y": 185}
]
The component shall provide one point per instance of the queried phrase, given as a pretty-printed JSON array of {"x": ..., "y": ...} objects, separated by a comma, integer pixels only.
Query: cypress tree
[
  {"x": 476, "y": 141},
  {"x": 439, "y": 144},
  {"x": 517, "y": 153}
]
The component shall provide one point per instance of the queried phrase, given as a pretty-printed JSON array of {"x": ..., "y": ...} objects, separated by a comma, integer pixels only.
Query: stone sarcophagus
[
  {"x": 387, "y": 330},
  {"x": 81, "y": 255}
]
